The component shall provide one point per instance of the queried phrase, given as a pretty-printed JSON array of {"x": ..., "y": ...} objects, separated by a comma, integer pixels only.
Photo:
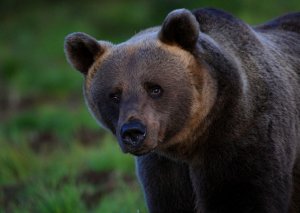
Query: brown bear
[{"x": 208, "y": 104}]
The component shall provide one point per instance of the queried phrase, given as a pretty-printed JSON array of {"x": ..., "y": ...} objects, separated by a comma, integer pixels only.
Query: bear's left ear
[
  {"x": 180, "y": 27},
  {"x": 82, "y": 50}
]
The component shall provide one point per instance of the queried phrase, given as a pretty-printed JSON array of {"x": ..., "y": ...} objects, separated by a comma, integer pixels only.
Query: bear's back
[
  {"x": 289, "y": 22},
  {"x": 225, "y": 28}
]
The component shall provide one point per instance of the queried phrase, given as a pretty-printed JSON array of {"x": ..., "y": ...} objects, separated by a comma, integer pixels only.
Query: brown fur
[
  {"x": 204, "y": 96},
  {"x": 99, "y": 58}
]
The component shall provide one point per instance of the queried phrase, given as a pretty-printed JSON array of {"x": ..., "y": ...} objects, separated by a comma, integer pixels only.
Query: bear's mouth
[{"x": 141, "y": 150}]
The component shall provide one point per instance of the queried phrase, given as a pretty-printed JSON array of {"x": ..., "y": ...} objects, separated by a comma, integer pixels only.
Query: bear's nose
[{"x": 133, "y": 133}]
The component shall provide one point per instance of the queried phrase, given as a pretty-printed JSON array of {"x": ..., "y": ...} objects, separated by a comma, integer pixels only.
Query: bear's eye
[
  {"x": 115, "y": 97},
  {"x": 154, "y": 90}
]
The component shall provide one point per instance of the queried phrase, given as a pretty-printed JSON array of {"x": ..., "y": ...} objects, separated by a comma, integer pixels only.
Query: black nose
[{"x": 133, "y": 133}]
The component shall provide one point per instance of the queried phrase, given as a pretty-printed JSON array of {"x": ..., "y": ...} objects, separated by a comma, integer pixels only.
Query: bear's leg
[
  {"x": 166, "y": 183},
  {"x": 224, "y": 192},
  {"x": 295, "y": 205}
]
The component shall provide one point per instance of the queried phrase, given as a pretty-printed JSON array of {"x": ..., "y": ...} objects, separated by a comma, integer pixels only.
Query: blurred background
[{"x": 53, "y": 155}]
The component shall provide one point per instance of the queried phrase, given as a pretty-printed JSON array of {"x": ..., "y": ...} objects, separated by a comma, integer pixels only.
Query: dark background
[{"x": 53, "y": 155}]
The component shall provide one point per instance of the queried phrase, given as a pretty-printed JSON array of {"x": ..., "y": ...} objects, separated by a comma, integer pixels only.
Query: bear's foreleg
[{"x": 166, "y": 184}]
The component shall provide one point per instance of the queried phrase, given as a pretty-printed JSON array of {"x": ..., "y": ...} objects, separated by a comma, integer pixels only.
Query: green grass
[{"x": 69, "y": 180}]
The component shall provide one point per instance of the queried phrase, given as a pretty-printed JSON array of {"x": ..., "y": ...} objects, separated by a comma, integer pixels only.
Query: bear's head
[{"x": 151, "y": 91}]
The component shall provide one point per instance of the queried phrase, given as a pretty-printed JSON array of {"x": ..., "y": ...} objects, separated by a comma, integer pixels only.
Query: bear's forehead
[
  {"x": 145, "y": 46},
  {"x": 131, "y": 66},
  {"x": 137, "y": 59},
  {"x": 140, "y": 61},
  {"x": 146, "y": 54},
  {"x": 141, "y": 55}
]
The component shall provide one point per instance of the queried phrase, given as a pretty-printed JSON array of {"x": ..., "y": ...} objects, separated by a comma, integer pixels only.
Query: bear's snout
[{"x": 133, "y": 134}]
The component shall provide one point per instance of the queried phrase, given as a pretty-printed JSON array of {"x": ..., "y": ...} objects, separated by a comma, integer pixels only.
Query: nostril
[{"x": 133, "y": 133}]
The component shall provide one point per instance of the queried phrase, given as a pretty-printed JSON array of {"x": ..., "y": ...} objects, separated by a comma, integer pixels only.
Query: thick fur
[{"x": 225, "y": 137}]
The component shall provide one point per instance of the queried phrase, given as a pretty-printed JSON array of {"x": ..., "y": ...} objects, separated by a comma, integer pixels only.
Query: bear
[{"x": 209, "y": 105}]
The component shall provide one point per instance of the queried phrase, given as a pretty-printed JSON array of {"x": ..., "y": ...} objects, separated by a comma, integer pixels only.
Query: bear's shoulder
[
  {"x": 211, "y": 19},
  {"x": 227, "y": 30}
]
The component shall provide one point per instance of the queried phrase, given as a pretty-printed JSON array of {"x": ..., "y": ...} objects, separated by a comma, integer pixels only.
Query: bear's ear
[
  {"x": 82, "y": 50},
  {"x": 180, "y": 27}
]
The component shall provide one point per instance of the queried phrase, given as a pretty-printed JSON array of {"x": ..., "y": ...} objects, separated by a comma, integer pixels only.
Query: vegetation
[{"x": 53, "y": 155}]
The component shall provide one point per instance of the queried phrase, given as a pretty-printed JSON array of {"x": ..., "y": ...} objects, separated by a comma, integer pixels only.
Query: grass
[{"x": 77, "y": 179}]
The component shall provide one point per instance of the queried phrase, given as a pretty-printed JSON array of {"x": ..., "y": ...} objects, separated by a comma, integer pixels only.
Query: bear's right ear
[
  {"x": 82, "y": 50},
  {"x": 181, "y": 28}
]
